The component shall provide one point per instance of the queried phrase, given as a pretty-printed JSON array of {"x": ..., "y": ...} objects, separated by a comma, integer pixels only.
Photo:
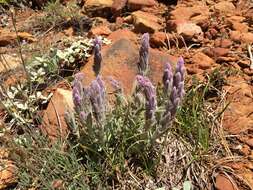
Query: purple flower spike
[
  {"x": 180, "y": 66},
  {"x": 178, "y": 88},
  {"x": 77, "y": 91},
  {"x": 97, "y": 56},
  {"x": 144, "y": 54},
  {"x": 115, "y": 84},
  {"x": 167, "y": 78},
  {"x": 179, "y": 77},
  {"x": 150, "y": 94},
  {"x": 176, "y": 96},
  {"x": 97, "y": 98},
  {"x": 83, "y": 116},
  {"x": 80, "y": 95}
]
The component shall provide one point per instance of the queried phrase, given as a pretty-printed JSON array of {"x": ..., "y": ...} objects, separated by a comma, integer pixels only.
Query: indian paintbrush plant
[{"x": 125, "y": 131}]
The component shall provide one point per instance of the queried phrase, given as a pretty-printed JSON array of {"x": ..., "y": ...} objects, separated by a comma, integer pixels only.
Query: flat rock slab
[
  {"x": 54, "y": 125},
  {"x": 238, "y": 117},
  {"x": 120, "y": 61}
]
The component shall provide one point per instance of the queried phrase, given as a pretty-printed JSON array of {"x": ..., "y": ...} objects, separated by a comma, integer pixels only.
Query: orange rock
[
  {"x": 100, "y": 31},
  {"x": 235, "y": 36},
  {"x": 189, "y": 30},
  {"x": 8, "y": 37},
  {"x": 98, "y": 7},
  {"x": 200, "y": 20},
  {"x": 145, "y": 22},
  {"x": 237, "y": 116},
  {"x": 247, "y": 37},
  {"x": 241, "y": 27},
  {"x": 26, "y": 36},
  {"x": 202, "y": 61},
  {"x": 251, "y": 155},
  {"x": 158, "y": 39},
  {"x": 217, "y": 52},
  {"x": 245, "y": 150},
  {"x": 138, "y": 4},
  {"x": 123, "y": 33},
  {"x": 98, "y": 3},
  {"x": 119, "y": 21},
  {"x": 236, "y": 19},
  {"x": 118, "y": 5},
  {"x": 54, "y": 124},
  {"x": 8, "y": 174},
  {"x": 224, "y": 183},
  {"x": 225, "y": 7},
  {"x": 249, "y": 142},
  {"x": 248, "y": 71},
  {"x": 223, "y": 43},
  {"x": 186, "y": 13}
]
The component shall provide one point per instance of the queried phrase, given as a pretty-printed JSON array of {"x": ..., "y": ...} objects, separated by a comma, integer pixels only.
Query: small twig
[{"x": 250, "y": 56}]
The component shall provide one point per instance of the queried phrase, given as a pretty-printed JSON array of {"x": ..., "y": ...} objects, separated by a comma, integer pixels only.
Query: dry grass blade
[{"x": 250, "y": 56}]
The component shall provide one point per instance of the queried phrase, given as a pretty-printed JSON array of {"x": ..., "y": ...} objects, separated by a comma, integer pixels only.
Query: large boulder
[{"x": 120, "y": 60}]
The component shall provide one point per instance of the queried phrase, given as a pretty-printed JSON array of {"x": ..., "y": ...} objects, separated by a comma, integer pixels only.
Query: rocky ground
[{"x": 211, "y": 34}]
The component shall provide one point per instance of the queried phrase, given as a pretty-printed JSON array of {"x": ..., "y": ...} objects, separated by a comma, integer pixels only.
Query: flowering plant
[{"x": 130, "y": 128}]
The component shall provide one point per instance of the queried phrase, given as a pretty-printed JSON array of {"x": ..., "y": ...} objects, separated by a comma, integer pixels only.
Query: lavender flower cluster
[
  {"x": 150, "y": 95},
  {"x": 92, "y": 99},
  {"x": 173, "y": 87},
  {"x": 89, "y": 100}
]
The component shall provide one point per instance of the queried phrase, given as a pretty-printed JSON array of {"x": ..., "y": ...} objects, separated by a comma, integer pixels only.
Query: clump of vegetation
[
  {"x": 59, "y": 16},
  {"x": 127, "y": 132},
  {"x": 23, "y": 101},
  {"x": 76, "y": 54},
  {"x": 157, "y": 138}
]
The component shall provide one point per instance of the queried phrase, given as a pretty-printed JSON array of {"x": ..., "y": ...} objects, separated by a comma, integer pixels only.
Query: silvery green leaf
[
  {"x": 187, "y": 185},
  {"x": 10, "y": 94},
  {"x": 71, "y": 59},
  {"x": 61, "y": 54},
  {"x": 41, "y": 71},
  {"x": 34, "y": 73},
  {"x": 40, "y": 59},
  {"x": 13, "y": 88},
  {"x": 22, "y": 106},
  {"x": 38, "y": 94},
  {"x": 32, "y": 97}
]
